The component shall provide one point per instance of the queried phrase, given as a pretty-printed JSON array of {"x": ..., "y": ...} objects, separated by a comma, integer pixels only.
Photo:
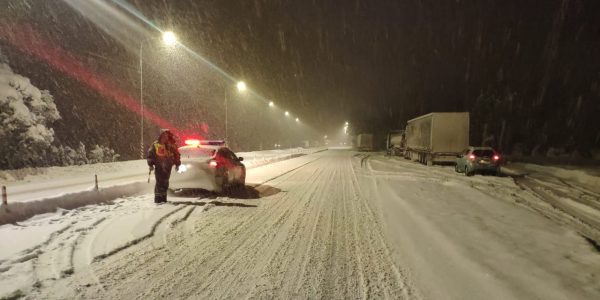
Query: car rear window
[
  {"x": 196, "y": 152},
  {"x": 483, "y": 153},
  {"x": 226, "y": 153}
]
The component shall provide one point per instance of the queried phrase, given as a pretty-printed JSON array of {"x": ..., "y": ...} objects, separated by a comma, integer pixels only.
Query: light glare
[
  {"x": 169, "y": 38},
  {"x": 241, "y": 86}
]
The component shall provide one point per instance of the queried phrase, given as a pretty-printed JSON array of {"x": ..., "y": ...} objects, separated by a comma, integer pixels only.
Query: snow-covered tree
[
  {"x": 26, "y": 114},
  {"x": 100, "y": 154}
]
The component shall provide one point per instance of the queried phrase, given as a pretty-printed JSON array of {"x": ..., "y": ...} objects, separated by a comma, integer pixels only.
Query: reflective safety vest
[{"x": 162, "y": 151}]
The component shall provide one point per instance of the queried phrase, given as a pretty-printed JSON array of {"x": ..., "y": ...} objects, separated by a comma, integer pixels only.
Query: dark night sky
[{"x": 528, "y": 71}]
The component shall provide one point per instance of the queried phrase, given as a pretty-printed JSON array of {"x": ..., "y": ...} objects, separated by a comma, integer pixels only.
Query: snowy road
[{"x": 334, "y": 224}]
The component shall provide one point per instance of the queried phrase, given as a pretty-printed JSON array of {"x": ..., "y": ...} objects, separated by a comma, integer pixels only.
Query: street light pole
[
  {"x": 226, "y": 99},
  {"x": 141, "y": 103}
]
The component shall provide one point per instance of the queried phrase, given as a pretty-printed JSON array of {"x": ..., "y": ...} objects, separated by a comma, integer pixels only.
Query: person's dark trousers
[{"x": 162, "y": 173}]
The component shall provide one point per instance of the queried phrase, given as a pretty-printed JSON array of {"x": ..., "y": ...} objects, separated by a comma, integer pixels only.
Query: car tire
[
  {"x": 456, "y": 168},
  {"x": 468, "y": 172},
  {"x": 242, "y": 182},
  {"x": 223, "y": 183}
]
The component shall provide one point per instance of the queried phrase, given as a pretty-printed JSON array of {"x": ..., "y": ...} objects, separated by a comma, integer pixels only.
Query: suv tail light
[
  {"x": 496, "y": 157},
  {"x": 213, "y": 163},
  {"x": 472, "y": 156}
]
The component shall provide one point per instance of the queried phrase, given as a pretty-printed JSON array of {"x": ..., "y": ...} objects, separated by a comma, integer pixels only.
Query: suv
[
  {"x": 478, "y": 159},
  {"x": 208, "y": 165}
]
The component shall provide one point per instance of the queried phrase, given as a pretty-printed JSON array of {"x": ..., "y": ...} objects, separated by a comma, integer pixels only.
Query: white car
[{"x": 208, "y": 165}]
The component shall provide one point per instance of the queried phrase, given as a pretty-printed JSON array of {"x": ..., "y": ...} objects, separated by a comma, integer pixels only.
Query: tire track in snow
[
  {"x": 267, "y": 243},
  {"x": 226, "y": 247},
  {"x": 375, "y": 234}
]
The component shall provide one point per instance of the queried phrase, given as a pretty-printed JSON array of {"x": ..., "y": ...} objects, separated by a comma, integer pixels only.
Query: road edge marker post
[
  {"x": 96, "y": 182},
  {"x": 4, "y": 197}
]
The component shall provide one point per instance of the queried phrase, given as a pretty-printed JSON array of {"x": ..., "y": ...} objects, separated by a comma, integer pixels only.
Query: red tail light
[
  {"x": 496, "y": 157},
  {"x": 213, "y": 163},
  {"x": 472, "y": 157}
]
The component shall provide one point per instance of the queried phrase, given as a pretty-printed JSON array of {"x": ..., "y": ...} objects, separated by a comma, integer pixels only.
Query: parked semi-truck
[
  {"x": 364, "y": 142},
  {"x": 395, "y": 143},
  {"x": 437, "y": 137}
]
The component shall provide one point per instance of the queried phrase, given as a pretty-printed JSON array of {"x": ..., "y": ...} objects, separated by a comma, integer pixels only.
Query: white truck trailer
[
  {"x": 437, "y": 137},
  {"x": 364, "y": 142}
]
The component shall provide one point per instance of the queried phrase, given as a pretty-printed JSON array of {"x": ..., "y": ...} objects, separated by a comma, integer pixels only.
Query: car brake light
[
  {"x": 496, "y": 157},
  {"x": 213, "y": 164},
  {"x": 472, "y": 157},
  {"x": 192, "y": 142}
]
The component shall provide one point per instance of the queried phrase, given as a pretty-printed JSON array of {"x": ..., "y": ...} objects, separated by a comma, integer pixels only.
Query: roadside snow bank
[
  {"x": 19, "y": 211},
  {"x": 32, "y": 175}
]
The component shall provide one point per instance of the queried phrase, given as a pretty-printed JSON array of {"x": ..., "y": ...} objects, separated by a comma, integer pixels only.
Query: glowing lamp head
[
  {"x": 241, "y": 86},
  {"x": 169, "y": 38},
  {"x": 271, "y": 104},
  {"x": 287, "y": 113},
  {"x": 297, "y": 120}
]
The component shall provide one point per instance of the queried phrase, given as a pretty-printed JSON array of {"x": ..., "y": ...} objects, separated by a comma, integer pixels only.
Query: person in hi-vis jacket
[{"x": 162, "y": 155}]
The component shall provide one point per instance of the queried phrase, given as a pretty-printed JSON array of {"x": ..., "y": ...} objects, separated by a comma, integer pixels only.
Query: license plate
[{"x": 485, "y": 162}]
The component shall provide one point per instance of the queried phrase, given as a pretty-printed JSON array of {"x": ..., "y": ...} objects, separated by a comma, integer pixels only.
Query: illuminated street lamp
[
  {"x": 241, "y": 86},
  {"x": 287, "y": 114},
  {"x": 169, "y": 39},
  {"x": 297, "y": 119},
  {"x": 271, "y": 104}
]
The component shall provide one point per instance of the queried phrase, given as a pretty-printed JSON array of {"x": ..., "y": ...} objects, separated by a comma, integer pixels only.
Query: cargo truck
[
  {"x": 364, "y": 142},
  {"x": 395, "y": 143},
  {"x": 437, "y": 137}
]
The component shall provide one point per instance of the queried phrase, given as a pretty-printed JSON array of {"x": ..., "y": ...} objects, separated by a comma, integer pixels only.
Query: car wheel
[
  {"x": 223, "y": 181},
  {"x": 242, "y": 182},
  {"x": 468, "y": 172},
  {"x": 456, "y": 168}
]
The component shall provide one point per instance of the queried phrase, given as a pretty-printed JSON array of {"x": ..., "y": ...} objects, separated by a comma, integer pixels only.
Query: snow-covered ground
[{"x": 333, "y": 224}]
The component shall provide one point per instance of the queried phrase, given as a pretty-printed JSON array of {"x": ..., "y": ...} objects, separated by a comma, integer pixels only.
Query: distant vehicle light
[
  {"x": 472, "y": 157},
  {"x": 213, "y": 163},
  {"x": 496, "y": 157},
  {"x": 192, "y": 142}
]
